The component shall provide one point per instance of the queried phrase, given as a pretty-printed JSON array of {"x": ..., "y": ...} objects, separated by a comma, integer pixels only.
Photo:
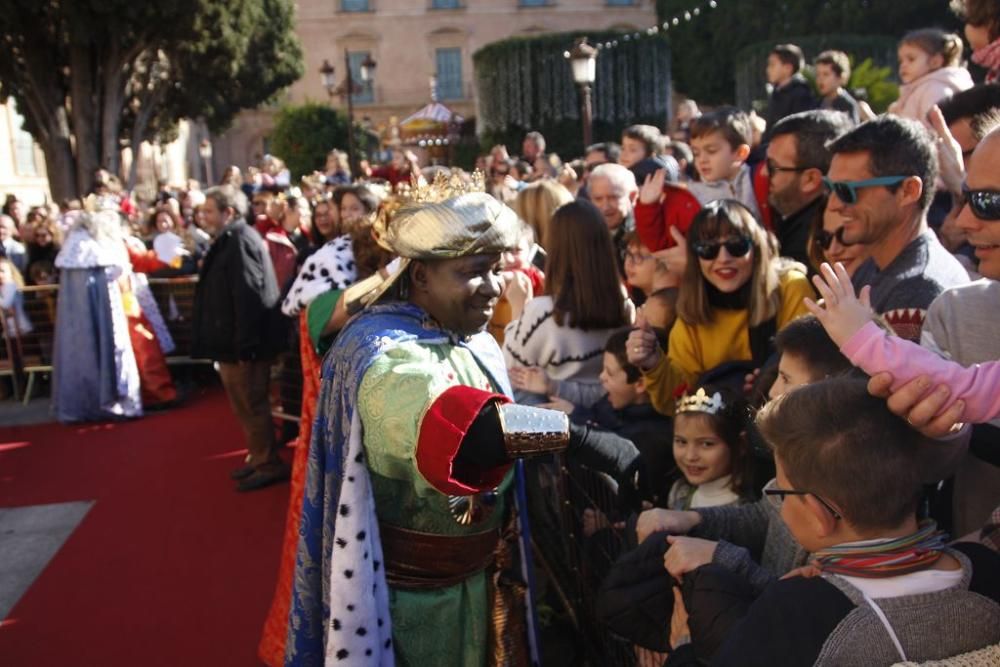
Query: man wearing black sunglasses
[
  {"x": 881, "y": 181},
  {"x": 797, "y": 160},
  {"x": 961, "y": 325}
]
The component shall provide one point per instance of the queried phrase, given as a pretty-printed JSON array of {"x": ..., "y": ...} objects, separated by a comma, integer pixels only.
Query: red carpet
[{"x": 170, "y": 567}]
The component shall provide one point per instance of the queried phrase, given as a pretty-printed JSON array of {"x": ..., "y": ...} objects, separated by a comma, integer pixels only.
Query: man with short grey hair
[
  {"x": 237, "y": 324},
  {"x": 612, "y": 189}
]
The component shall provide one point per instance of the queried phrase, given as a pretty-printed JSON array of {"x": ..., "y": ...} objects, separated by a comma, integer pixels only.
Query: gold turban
[{"x": 473, "y": 223}]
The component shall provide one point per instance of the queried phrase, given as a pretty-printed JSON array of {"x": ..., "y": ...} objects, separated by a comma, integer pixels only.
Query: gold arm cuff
[{"x": 530, "y": 431}]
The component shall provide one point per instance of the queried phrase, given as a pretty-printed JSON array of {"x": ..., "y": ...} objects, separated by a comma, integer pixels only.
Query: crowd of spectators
[{"x": 665, "y": 294}]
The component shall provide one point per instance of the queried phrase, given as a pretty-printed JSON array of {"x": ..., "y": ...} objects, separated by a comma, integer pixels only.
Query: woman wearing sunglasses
[
  {"x": 734, "y": 294},
  {"x": 826, "y": 244}
]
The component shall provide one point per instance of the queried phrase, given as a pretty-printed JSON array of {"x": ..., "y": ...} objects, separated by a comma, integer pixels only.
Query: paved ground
[
  {"x": 29, "y": 538},
  {"x": 15, "y": 413}
]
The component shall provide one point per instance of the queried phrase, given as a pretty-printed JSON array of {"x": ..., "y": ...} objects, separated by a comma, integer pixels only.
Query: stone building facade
[{"x": 413, "y": 42}]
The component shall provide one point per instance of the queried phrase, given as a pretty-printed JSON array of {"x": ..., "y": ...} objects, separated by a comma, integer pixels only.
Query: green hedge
[{"x": 525, "y": 83}]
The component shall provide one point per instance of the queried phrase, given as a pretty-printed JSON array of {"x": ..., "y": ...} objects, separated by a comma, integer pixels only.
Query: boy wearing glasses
[
  {"x": 881, "y": 183},
  {"x": 881, "y": 587}
]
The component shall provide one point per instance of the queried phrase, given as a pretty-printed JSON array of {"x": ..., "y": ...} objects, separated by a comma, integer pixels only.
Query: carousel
[{"x": 434, "y": 129}]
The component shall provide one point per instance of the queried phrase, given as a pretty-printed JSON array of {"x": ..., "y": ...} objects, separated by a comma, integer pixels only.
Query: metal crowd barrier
[
  {"x": 175, "y": 298},
  {"x": 28, "y": 353},
  {"x": 574, "y": 514}
]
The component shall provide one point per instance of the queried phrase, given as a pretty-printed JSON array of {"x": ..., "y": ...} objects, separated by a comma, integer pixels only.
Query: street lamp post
[
  {"x": 348, "y": 88},
  {"x": 583, "y": 60}
]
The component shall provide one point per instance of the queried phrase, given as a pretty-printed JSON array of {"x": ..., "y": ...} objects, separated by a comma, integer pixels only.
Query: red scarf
[{"x": 989, "y": 57}]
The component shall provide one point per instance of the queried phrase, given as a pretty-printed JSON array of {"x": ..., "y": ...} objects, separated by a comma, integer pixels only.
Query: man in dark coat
[{"x": 237, "y": 324}]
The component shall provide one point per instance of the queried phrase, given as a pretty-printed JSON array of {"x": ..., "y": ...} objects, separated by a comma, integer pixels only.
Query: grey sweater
[
  {"x": 826, "y": 621},
  {"x": 911, "y": 282},
  {"x": 929, "y": 626},
  {"x": 746, "y": 532}
]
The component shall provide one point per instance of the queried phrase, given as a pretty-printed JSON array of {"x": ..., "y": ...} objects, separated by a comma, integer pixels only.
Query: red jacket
[
  {"x": 760, "y": 192},
  {"x": 676, "y": 208}
]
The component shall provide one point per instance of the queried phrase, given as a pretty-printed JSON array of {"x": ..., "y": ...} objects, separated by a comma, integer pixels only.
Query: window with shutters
[{"x": 449, "y": 74}]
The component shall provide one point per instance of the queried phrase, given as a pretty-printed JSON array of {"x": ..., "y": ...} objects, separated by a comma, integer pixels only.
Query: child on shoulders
[{"x": 930, "y": 69}]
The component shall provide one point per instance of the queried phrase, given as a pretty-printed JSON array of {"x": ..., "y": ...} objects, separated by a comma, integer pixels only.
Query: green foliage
[
  {"x": 876, "y": 84},
  {"x": 525, "y": 83},
  {"x": 705, "y": 51},
  {"x": 304, "y": 134}
]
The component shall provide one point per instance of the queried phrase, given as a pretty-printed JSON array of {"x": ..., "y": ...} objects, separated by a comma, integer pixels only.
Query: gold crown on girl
[{"x": 701, "y": 402}]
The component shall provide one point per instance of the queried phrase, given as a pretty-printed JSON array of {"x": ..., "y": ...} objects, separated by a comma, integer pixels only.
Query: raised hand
[
  {"x": 675, "y": 258},
  {"x": 652, "y": 187},
  {"x": 642, "y": 348},
  {"x": 949, "y": 152},
  {"x": 518, "y": 291},
  {"x": 842, "y": 314},
  {"x": 531, "y": 379}
]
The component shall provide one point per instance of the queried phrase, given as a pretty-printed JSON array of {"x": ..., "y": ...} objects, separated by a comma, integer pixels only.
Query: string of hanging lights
[{"x": 665, "y": 27}]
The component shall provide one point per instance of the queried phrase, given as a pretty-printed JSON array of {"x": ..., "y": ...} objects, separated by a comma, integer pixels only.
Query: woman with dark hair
[
  {"x": 826, "y": 244},
  {"x": 344, "y": 220},
  {"x": 354, "y": 202},
  {"x": 735, "y": 293},
  {"x": 324, "y": 225},
  {"x": 554, "y": 345}
]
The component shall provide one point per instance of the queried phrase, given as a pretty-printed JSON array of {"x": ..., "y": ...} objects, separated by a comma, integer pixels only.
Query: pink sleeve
[{"x": 874, "y": 351}]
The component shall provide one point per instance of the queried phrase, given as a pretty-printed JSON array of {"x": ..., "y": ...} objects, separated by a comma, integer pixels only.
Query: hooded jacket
[
  {"x": 917, "y": 97},
  {"x": 794, "y": 96}
]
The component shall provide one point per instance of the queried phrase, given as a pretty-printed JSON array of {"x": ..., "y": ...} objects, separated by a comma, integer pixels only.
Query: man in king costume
[{"x": 412, "y": 461}]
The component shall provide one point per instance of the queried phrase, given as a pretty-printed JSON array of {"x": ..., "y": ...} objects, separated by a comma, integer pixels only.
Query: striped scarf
[
  {"x": 888, "y": 558},
  {"x": 989, "y": 57}
]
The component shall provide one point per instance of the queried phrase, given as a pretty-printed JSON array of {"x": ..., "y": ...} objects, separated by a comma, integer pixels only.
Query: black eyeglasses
[
  {"x": 773, "y": 168},
  {"x": 637, "y": 257},
  {"x": 736, "y": 247},
  {"x": 824, "y": 238},
  {"x": 984, "y": 204},
  {"x": 847, "y": 191},
  {"x": 776, "y": 497}
]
